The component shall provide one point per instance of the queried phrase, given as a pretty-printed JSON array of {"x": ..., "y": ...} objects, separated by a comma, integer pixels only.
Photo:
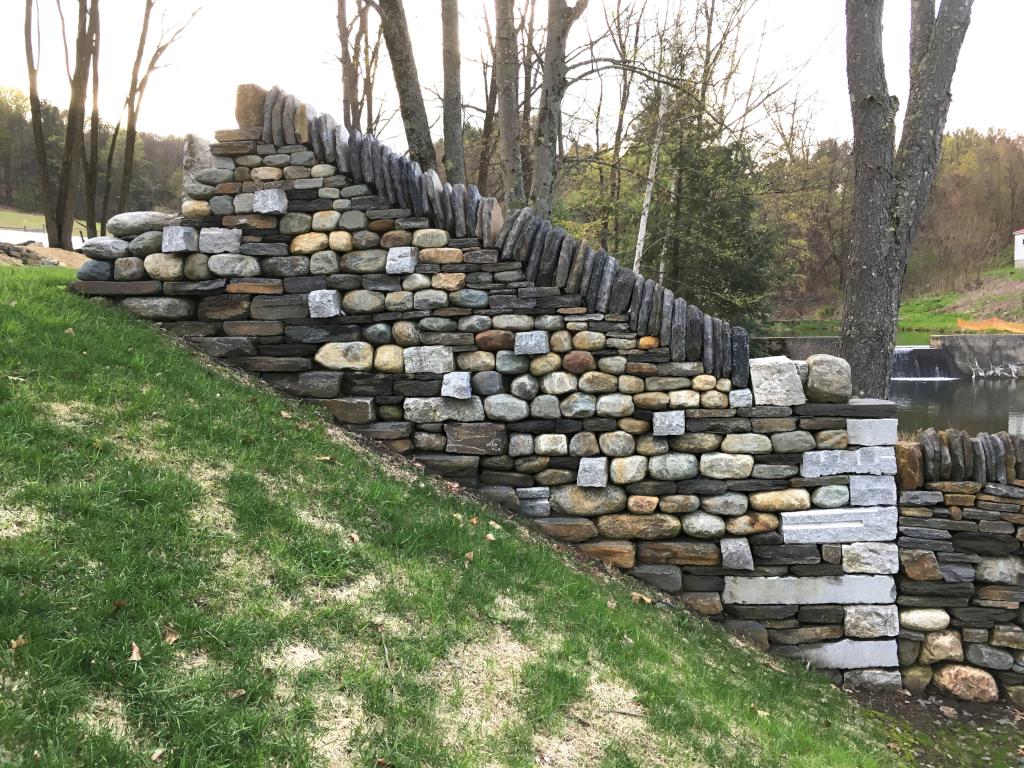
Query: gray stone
[
  {"x": 672, "y": 466},
  {"x": 507, "y": 361},
  {"x": 233, "y": 265},
  {"x": 726, "y": 505},
  {"x": 796, "y": 441},
  {"x": 592, "y": 472},
  {"x": 741, "y": 398},
  {"x": 219, "y": 240},
  {"x": 726, "y": 466},
  {"x": 435, "y": 409},
  {"x": 295, "y": 223},
  {"x": 165, "y": 266},
  {"x": 572, "y": 500},
  {"x": 921, "y": 498},
  {"x": 875, "y": 460},
  {"x": 869, "y": 621},
  {"x": 828, "y": 379},
  {"x": 401, "y": 260},
  {"x": 775, "y": 381},
  {"x": 179, "y": 240},
  {"x": 532, "y": 343},
  {"x": 701, "y": 525},
  {"x": 551, "y": 445},
  {"x": 128, "y": 268},
  {"x": 617, "y": 443},
  {"x": 545, "y": 407},
  {"x": 323, "y": 263},
  {"x": 506, "y": 408},
  {"x": 159, "y": 308},
  {"x": 364, "y": 262},
  {"x": 873, "y": 680},
  {"x": 668, "y": 578},
  {"x": 736, "y": 554},
  {"x": 746, "y": 442},
  {"x": 286, "y": 266},
  {"x": 146, "y": 243},
  {"x": 1001, "y": 570},
  {"x": 136, "y": 222},
  {"x": 435, "y": 359},
  {"x": 324, "y": 303},
  {"x": 578, "y": 405},
  {"x": 871, "y": 557},
  {"x": 839, "y": 526},
  {"x": 872, "y": 431},
  {"x": 924, "y": 619},
  {"x": 989, "y": 657},
  {"x": 850, "y": 654},
  {"x": 272, "y": 201},
  {"x": 525, "y": 386},
  {"x": 809, "y": 590},
  {"x": 457, "y": 384},
  {"x": 669, "y": 423},
  {"x": 98, "y": 270},
  {"x": 829, "y": 496},
  {"x": 105, "y": 248},
  {"x": 872, "y": 490},
  {"x": 628, "y": 469}
]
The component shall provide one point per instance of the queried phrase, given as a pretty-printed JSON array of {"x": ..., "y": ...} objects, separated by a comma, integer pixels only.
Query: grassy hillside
[{"x": 196, "y": 572}]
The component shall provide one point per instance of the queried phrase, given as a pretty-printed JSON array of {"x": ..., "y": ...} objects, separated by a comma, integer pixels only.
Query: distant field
[{"x": 32, "y": 222}]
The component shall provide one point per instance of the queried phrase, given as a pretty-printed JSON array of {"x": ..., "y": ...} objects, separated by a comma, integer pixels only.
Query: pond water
[{"x": 973, "y": 405}]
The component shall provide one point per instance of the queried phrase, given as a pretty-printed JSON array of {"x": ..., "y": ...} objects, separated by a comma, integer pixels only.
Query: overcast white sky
[{"x": 294, "y": 45}]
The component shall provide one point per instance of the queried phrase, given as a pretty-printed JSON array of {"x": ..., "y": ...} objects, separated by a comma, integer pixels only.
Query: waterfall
[{"x": 923, "y": 363}]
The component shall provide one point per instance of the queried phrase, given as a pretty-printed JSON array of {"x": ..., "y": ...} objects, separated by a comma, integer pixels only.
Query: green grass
[{"x": 322, "y": 606}]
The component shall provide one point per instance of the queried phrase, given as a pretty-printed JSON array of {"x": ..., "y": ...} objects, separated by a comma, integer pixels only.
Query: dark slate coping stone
[
  {"x": 814, "y": 482},
  {"x": 708, "y": 352},
  {"x": 510, "y": 225},
  {"x": 694, "y": 334},
  {"x": 621, "y": 290},
  {"x": 112, "y": 288},
  {"x": 858, "y": 408},
  {"x": 587, "y": 270},
  {"x": 665, "y": 324},
  {"x": 200, "y": 288}
]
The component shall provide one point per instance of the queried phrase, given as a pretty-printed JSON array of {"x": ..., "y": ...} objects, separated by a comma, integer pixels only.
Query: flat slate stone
[
  {"x": 110, "y": 288},
  {"x": 740, "y": 358},
  {"x": 549, "y": 257},
  {"x": 480, "y": 439},
  {"x": 665, "y": 326},
  {"x": 809, "y": 590},
  {"x": 850, "y": 654},
  {"x": 646, "y": 303},
  {"x": 621, "y": 291},
  {"x": 568, "y": 254},
  {"x": 708, "y": 350},
  {"x": 839, "y": 526},
  {"x": 694, "y": 333},
  {"x": 604, "y": 290},
  {"x": 677, "y": 335},
  {"x": 863, "y": 408},
  {"x": 586, "y": 271}
]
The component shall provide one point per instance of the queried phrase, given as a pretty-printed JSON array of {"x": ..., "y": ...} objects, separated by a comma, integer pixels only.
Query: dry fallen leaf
[
  {"x": 489, "y": 537},
  {"x": 639, "y": 597},
  {"x": 611, "y": 603},
  {"x": 285, "y": 415},
  {"x": 325, "y": 458},
  {"x": 235, "y": 693},
  {"x": 494, "y": 525},
  {"x": 69, "y": 331},
  {"x": 474, "y": 520},
  {"x": 18, "y": 642},
  {"x": 469, "y": 558},
  {"x": 155, "y": 757},
  {"x": 136, "y": 653},
  {"x": 170, "y": 635},
  {"x": 354, "y": 537}
]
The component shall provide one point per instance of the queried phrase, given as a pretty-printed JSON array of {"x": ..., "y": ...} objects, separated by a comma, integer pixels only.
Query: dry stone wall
[
  {"x": 961, "y": 535},
  {"x": 506, "y": 354}
]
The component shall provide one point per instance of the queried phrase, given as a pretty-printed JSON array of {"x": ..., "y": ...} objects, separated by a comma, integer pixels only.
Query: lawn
[
  {"x": 197, "y": 572},
  {"x": 31, "y": 222}
]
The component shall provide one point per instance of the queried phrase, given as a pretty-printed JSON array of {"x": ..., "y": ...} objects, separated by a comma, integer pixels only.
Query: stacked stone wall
[
  {"x": 961, "y": 580},
  {"x": 515, "y": 359}
]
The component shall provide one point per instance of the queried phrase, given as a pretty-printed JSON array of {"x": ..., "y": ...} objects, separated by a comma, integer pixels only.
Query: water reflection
[{"x": 973, "y": 405}]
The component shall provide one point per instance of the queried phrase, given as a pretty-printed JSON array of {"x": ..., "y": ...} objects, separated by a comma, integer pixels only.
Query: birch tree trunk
[
  {"x": 652, "y": 172},
  {"x": 549, "y": 117},
  {"x": 891, "y": 185},
  {"x": 454, "y": 159},
  {"x": 407, "y": 82},
  {"x": 506, "y": 70}
]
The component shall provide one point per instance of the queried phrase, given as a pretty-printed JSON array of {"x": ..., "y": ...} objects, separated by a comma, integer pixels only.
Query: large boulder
[
  {"x": 105, "y": 248},
  {"x": 136, "y": 222},
  {"x": 828, "y": 379},
  {"x": 966, "y": 683},
  {"x": 775, "y": 381}
]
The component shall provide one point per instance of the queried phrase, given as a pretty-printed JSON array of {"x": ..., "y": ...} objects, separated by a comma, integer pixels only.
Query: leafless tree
[
  {"x": 561, "y": 17},
  {"x": 490, "y": 113},
  {"x": 359, "y": 59},
  {"x": 60, "y": 201},
  {"x": 407, "y": 82},
  {"x": 454, "y": 161},
  {"x": 891, "y": 183},
  {"x": 506, "y": 67}
]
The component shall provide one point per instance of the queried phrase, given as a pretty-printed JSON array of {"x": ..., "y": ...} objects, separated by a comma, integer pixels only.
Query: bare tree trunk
[
  {"x": 652, "y": 172},
  {"x": 891, "y": 185},
  {"x": 526, "y": 30},
  {"x": 132, "y": 105},
  {"x": 349, "y": 68},
  {"x": 487, "y": 134},
  {"x": 39, "y": 140},
  {"x": 506, "y": 73},
  {"x": 108, "y": 176},
  {"x": 90, "y": 163},
  {"x": 454, "y": 161},
  {"x": 407, "y": 82},
  {"x": 64, "y": 201},
  {"x": 549, "y": 116}
]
